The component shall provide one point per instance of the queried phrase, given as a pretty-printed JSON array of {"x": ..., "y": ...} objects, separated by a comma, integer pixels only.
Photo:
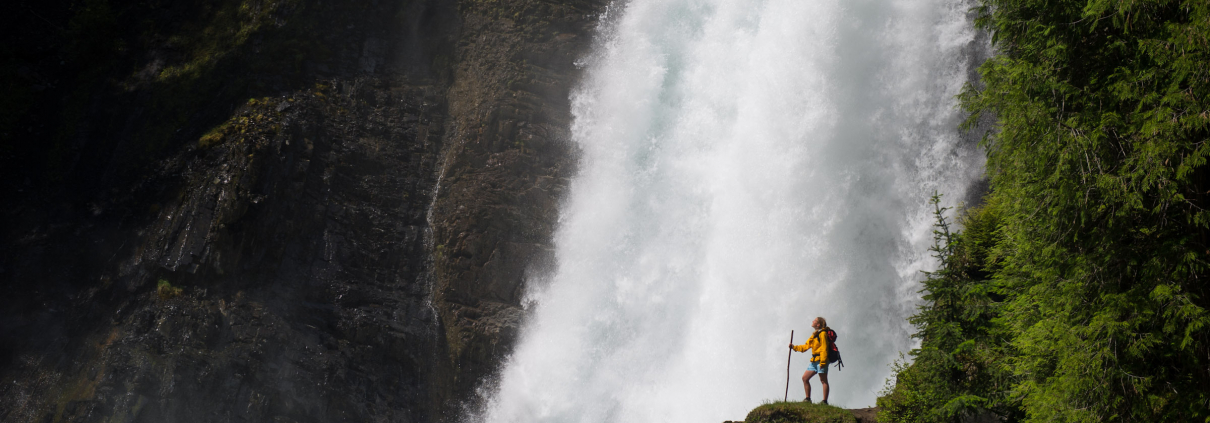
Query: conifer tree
[{"x": 1098, "y": 163}]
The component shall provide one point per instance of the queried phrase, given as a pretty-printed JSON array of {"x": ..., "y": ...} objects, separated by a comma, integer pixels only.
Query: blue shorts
[{"x": 818, "y": 368}]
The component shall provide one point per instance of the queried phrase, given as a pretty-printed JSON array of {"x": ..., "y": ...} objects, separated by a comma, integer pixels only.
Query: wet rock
[
  {"x": 508, "y": 160},
  {"x": 350, "y": 244}
]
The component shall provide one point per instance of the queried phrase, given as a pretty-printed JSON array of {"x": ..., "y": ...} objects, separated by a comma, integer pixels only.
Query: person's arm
[
  {"x": 800, "y": 348},
  {"x": 823, "y": 347}
]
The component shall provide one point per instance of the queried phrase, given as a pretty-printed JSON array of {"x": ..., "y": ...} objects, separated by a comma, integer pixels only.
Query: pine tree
[{"x": 1098, "y": 164}]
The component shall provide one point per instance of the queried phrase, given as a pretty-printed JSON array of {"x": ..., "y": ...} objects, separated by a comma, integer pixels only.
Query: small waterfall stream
[{"x": 746, "y": 166}]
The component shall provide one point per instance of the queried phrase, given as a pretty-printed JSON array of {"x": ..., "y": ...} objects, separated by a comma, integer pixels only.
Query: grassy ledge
[{"x": 799, "y": 412}]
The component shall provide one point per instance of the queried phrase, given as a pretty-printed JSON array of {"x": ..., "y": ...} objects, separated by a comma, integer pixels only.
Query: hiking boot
[{"x": 807, "y": 400}]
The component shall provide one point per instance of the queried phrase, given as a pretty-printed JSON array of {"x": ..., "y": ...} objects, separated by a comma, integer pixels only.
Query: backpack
[{"x": 833, "y": 351}]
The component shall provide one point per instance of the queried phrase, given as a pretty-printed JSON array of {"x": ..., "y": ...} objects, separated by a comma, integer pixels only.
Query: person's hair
[{"x": 822, "y": 321}]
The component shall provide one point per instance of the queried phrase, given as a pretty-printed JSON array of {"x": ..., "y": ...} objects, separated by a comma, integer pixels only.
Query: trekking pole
[{"x": 787, "y": 396}]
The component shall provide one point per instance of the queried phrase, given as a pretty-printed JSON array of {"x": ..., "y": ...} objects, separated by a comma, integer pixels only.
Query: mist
[{"x": 745, "y": 166}]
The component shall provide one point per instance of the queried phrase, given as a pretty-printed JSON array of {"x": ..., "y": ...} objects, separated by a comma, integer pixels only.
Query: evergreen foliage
[
  {"x": 957, "y": 371},
  {"x": 1099, "y": 178}
]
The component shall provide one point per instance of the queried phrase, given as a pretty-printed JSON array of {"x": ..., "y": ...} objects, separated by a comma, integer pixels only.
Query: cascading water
[{"x": 746, "y": 166}]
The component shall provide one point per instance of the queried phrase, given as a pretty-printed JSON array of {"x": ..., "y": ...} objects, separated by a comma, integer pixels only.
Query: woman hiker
[{"x": 818, "y": 344}]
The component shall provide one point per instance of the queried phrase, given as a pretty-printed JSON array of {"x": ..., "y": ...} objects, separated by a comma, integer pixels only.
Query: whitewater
[{"x": 744, "y": 166}]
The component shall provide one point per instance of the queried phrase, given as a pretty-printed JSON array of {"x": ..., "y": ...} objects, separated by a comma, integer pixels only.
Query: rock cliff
[{"x": 286, "y": 210}]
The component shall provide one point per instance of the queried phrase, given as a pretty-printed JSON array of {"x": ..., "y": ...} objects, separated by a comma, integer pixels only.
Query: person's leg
[
  {"x": 806, "y": 382},
  {"x": 823, "y": 380}
]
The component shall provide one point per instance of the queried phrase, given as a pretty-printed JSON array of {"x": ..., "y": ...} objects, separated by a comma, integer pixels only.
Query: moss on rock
[{"x": 799, "y": 412}]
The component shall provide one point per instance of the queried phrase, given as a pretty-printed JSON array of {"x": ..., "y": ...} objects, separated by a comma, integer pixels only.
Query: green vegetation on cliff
[
  {"x": 1075, "y": 293},
  {"x": 958, "y": 367}
]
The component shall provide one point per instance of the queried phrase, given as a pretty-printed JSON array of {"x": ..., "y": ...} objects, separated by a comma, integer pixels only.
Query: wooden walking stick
[{"x": 787, "y": 396}]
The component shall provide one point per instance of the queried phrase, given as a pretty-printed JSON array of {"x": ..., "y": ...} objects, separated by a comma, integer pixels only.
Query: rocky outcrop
[
  {"x": 294, "y": 252},
  {"x": 281, "y": 210},
  {"x": 506, "y": 165}
]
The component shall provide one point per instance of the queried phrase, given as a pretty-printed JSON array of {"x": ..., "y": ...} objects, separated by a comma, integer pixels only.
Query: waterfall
[{"x": 746, "y": 165}]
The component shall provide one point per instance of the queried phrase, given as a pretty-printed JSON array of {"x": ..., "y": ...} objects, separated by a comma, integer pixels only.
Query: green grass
[{"x": 796, "y": 412}]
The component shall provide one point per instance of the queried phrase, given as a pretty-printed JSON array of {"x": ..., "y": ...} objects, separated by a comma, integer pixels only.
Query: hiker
[{"x": 818, "y": 344}]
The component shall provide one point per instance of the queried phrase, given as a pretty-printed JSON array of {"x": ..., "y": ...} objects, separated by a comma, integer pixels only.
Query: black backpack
[{"x": 833, "y": 352}]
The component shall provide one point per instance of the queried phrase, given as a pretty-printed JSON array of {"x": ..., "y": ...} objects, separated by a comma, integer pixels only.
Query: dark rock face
[
  {"x": 303, "y": 267},
  {"x": 342, "y": 239},
  {"x": 507, "y": 162}
]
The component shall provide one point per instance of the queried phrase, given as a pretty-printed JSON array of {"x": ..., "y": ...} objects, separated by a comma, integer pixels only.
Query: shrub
[{"x": 166, "y": 291}]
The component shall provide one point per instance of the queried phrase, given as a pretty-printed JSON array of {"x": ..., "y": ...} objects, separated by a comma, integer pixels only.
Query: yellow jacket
[{"x": 818, "y": 344}]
